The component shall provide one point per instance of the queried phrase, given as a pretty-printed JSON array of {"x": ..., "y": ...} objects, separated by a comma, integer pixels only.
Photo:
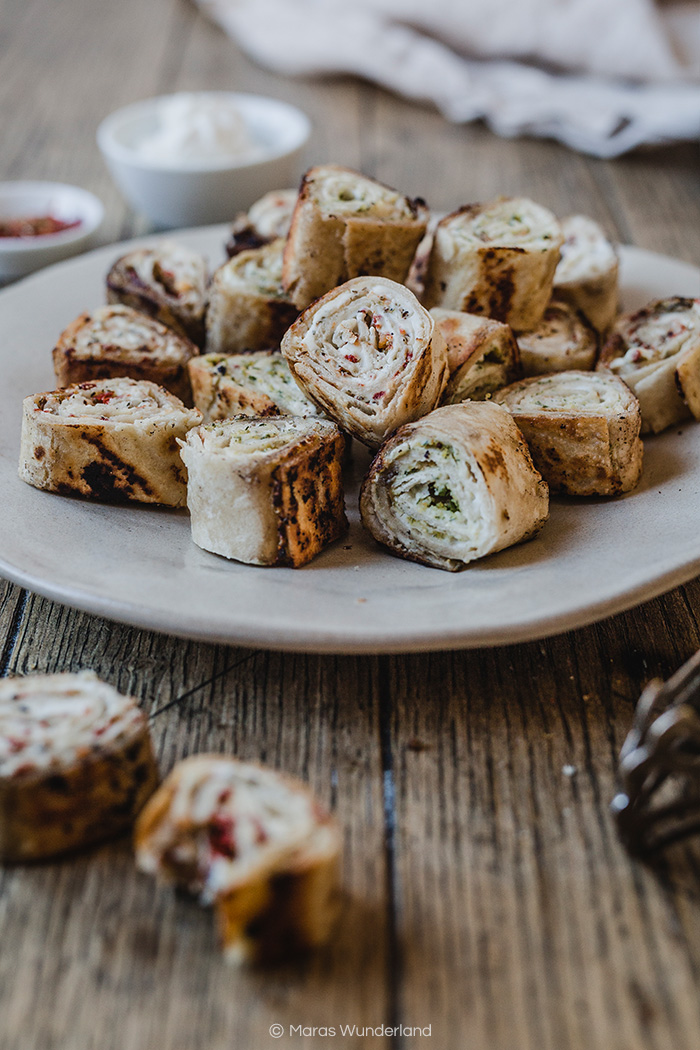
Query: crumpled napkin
[{"x": 602, "y": 76}]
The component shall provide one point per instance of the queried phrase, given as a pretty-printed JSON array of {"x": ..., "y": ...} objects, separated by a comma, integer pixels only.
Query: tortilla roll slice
[
  {"x": 76, "y": 764},
  {"x": 265, "y": 221},
  {"x": 114, "y": 341},
  {"x": 111, "y": 439},
  {"x": 248, "y": 309},
  {"x": 587, "y": 274},
  {"x": 265, "y": 491},
  {"x": 346, "y": 225},
  {"x": 561, "y": 341},
  {"x": 254, "y": 843},
  {"x": 370, "y": 356},
  {"x": 168, "y": 282},
  {"x": 497, "y": 260},
  {"x": 259, "y": 384},
  {"x": 482, "y": 355},
  {"x": 656, "y": 351},
  {"x": 582, "y": 429},
  {"x": 453, "y": 487}
]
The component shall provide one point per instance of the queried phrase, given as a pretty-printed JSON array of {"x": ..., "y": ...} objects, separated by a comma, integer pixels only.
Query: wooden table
[{"x": 487, "y": 894}]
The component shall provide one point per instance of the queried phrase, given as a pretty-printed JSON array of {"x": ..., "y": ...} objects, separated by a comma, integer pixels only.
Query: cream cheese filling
[
  {"x": 586, "y": 252},
  {"x": 116, "y": 328},
  {"x": 174, "y": 270},
  {"x": 559, "y": 328},
  {"x": 227, "y": 818},
  {"x": 344, "y": 193},
  {"x": 362, "y": 341},
  {"x": 55, "y": 720},
  {"x": 244, "y": 438},
  {"x": 257, "y": 270},
  {"x": 437, "y": 499},
  {"x": 268, "y": 373},
  {"x": 657, "y": 333},
  {"x": 117, "y": 400},
  {"x": 566, "y": 393},
  {"x": 271, "y": 215},
  {"x": 510, "y": 222}
]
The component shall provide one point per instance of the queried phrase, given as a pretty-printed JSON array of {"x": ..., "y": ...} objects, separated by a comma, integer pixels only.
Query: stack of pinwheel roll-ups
[{"x": 480, "y": 358}]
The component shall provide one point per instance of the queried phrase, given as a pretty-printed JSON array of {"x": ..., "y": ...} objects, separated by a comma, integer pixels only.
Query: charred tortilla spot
[
  {"x": 102, "y": 483},
  {"x": 109, "y": 477},
  {"x": 502, "y": 292},
  {"x": 494, "y": 459}
]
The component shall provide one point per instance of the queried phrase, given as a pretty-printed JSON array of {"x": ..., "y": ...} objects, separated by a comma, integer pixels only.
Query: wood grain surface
[{"x": 487, "y": 895}]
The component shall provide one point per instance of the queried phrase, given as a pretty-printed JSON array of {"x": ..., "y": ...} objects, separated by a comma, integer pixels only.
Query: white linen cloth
[{"x": 602, "y": 76}]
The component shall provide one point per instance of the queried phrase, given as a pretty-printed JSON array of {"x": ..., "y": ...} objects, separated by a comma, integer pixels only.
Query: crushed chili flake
[
  {"x": 221, "y": 836},
  {"x": 103, "y": 398},
  {"x": 351, "y": 357},
  {"x": 26, "y": 768},
  {"x": 261, "y": 835},
  {"x": 35, "y": 226}
]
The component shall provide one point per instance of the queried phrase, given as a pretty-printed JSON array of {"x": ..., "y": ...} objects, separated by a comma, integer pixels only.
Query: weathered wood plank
[
  {"x": 513, "y": 887},
  {"x": 12, "y": 604},
  {"x": 111, "y": 944}
]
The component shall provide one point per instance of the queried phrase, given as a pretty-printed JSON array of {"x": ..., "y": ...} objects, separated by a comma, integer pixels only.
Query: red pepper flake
[
  {"x": 16, "y": 744},
  {"x": 261, "y": 835},
  {"x": 351, "y": 357},
  {"x": 37, "y": 226},
  {"x": 26, "y": 768},
  {"x": 221, "y": 836},
  {"x": 103, "y": 398},
  {"x": 381, "y": 393}
]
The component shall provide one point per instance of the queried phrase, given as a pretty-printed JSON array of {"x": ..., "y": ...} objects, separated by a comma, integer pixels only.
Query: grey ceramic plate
[{"x": 138, "y": 565}]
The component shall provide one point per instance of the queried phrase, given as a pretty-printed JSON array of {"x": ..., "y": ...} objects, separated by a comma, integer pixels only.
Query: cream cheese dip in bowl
[{"x": 200, "y": 157}]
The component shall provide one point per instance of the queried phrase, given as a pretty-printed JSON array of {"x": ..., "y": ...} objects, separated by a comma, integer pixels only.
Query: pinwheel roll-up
[
  {"x": 266, "y": 491},
  {"x": 587, "y": 274},
  {"x": 76, "y": 764},
  {"x": 482, "y": 355},
  {"x": 259, "y": 384},
  {"x": 497, "y": 260},
  {"x": 453, "y": 487},
  {"x": 265, "y": 221},
  {"x": 168, "y": 281},
  {"x": 345, "y": 225},
  {"x": 370, "y": 356},
  {"x": 656, "y": 351},
  {"x": 253, "y": 842},
  {"x": 114, "y": 341},
  {"x": 248, "y": 309},
  {"x": 582, "y": 429},
  {"x": 112, "y": 439},
  {"x": 562, "y": 340}
]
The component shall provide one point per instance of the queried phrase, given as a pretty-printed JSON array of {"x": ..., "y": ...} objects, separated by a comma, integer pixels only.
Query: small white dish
[
  {"x": 31, "y": 200},
  {"x": 192, "y": 191}
]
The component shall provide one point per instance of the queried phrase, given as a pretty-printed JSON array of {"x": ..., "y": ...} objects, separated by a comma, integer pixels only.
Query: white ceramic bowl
[
  {"x": 191, "y": 192},
  {"x": 23, "y": 255}
]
